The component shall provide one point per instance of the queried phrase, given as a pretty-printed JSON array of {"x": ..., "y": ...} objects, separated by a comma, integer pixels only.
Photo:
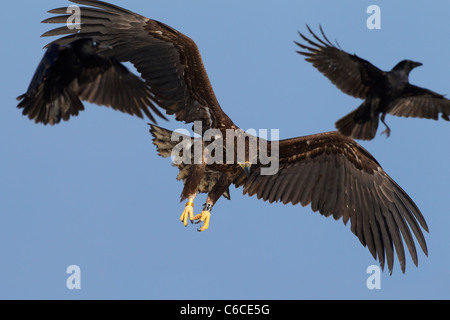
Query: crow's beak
[
  {"x": 246, "y": 166},
  {"x": 416, "y": 64}
]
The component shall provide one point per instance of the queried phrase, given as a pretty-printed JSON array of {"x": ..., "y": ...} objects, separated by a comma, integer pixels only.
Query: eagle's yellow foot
[
  {"x": 187, "y": 212},
  {"x": 204, "y": 217}
]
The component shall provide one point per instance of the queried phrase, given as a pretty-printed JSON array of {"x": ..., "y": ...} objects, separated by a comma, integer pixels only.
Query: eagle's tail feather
[{"x": 162, "y": 139}]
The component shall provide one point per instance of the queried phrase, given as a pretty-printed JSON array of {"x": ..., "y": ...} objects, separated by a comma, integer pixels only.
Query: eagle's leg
[
  {"x": 190, "y": 191},
  {"x": 204, "y": 216},
  {"x": 216, "y": 192},
  {"x": 188, "y": 211},
  {"x": 388, "y": 130}
]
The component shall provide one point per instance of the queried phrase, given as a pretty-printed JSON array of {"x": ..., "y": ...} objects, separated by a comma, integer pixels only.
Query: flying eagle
[
  {"x": 383, "y": 91},
  {"x": 79, "y": 70},
  {"x": 331, "y": 172}
]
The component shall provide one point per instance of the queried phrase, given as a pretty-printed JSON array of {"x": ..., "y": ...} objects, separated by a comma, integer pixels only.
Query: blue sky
[{"x": 93, "y": 192}]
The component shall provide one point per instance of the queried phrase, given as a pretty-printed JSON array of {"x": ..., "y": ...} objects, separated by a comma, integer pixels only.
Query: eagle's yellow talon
[
  {"x": 187, "y": 212},
  {"x": 203, "y": 217}
]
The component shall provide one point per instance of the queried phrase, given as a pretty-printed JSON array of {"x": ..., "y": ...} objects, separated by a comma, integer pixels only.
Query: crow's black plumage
[
  {"x": 79, "y": 71},
  {"x": 384, "y": 92}
]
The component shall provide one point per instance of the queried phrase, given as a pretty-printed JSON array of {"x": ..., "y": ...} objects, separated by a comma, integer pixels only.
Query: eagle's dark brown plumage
[
  {"x": 336, "y": 176},
  {"x": 331, "y": 172},
  {"x": 383, "y": 91},
  {"x": 167, "y": 60}
]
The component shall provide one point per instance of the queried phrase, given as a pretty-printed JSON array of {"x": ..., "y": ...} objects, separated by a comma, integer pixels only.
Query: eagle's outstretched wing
[
  {"x": 340, "y": 178},
  {"x": 169, "y": 61}
]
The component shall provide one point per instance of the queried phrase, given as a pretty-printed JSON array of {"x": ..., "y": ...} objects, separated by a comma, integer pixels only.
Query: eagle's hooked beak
[{"x": 246, "y": 166}]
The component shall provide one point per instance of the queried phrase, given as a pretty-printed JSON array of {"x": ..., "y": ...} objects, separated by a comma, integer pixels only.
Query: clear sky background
[{"x": 93, "y": 192}]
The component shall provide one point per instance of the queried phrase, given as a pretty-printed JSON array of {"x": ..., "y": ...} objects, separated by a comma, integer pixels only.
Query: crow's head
[
  {"x": 407, "y": 65},
  {"x": 87, "y": 46}
]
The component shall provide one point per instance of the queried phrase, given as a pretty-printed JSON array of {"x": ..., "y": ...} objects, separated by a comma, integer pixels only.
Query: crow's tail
[{"x": 359, "y": 124}]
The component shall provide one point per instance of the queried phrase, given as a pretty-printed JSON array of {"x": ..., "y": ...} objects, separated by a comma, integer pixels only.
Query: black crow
[
  {"x": 384, "y": 92},
  {"x": 79, "y": 70}
]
